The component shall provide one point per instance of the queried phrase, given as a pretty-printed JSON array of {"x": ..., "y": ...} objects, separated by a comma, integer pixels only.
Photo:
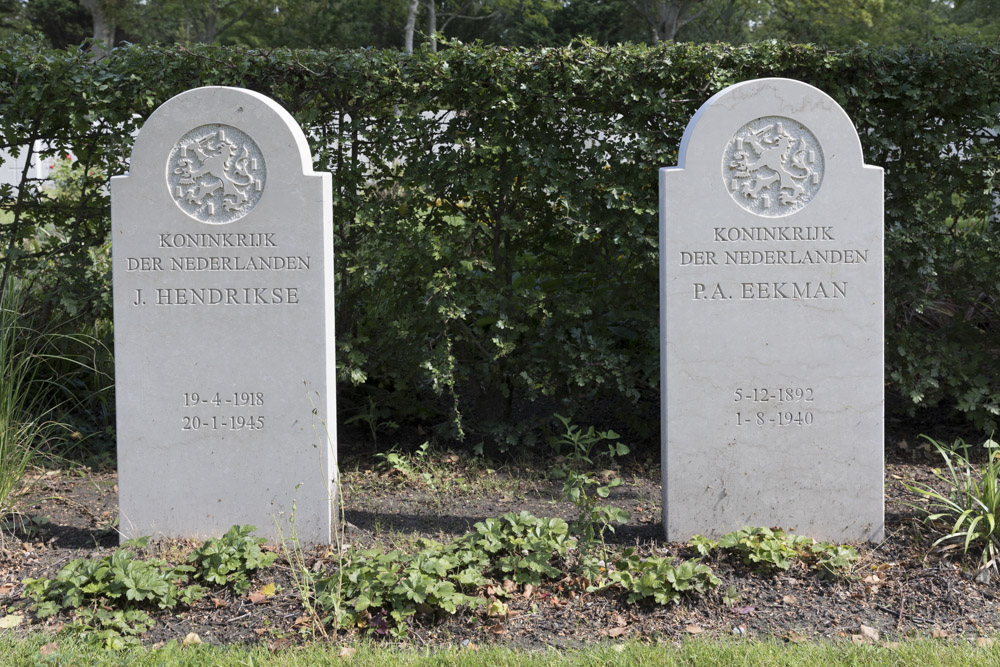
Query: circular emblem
[
  {"x": 216, "y": 174},
  {"x": 773, "y": 166}
]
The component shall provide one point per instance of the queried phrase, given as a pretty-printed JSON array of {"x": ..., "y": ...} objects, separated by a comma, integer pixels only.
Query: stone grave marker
[
  {"x": 771, "y": 306},
  {"x": 224, "y": 338}
]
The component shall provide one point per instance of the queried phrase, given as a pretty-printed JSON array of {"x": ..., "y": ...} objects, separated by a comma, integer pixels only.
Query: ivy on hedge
[{"x": 495, "y": 208}]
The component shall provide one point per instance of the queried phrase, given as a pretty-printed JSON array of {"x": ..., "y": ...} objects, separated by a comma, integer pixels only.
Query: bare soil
[{"x": 901, "y": 587}]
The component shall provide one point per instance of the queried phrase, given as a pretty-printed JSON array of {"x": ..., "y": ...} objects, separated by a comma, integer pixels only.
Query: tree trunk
[
  {"x": 666, "y": 17},
  {"x": 411, "y": 22},
  {"x": 432, "y": 26},
  {"x": 104, "y": 26}
]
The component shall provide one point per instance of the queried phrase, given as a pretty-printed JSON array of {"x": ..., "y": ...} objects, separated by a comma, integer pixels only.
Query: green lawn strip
[{"x": 44, "y": 649}]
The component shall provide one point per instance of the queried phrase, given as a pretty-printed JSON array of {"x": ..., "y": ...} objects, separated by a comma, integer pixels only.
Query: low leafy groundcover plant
[
  {"x": 110, "y": 597},
  {"x": 378, "y": 592},
  {"x": 772, "y": 549},
  {"x": 229, "y": 559}
]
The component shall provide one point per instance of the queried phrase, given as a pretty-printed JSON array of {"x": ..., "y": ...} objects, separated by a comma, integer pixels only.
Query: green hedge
[{"x": 503, "y": 264}]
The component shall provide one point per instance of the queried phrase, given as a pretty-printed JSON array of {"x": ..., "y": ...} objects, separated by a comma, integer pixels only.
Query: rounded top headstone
[
  {"x": 771, "y": 143},
  {"x": 216, "y": 151}
]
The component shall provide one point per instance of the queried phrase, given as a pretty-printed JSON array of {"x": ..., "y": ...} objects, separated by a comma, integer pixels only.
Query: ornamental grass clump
[
  {"x": 967, "y": 510},
  {"x": 20, "y": 426}
]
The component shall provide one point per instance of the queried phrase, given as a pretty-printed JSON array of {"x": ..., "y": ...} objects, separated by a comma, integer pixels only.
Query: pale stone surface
[
  {"x": 771, "y": 302},
  {"x": 224, "y": 344}
]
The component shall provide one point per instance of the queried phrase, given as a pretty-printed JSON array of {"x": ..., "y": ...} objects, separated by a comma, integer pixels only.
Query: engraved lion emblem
[
  {"x": 771, "y": 161},
  {"x": 221, "y": 164},
  {"x": 216, "y": 173}
]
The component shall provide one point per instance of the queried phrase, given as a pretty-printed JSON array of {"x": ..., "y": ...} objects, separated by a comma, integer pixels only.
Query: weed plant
[
  {"x": 967, "y": 510},
  {"x": 413, "y": 467},
  {"x": 581, "y": 449},
  {"x": 303, "y": 578}
]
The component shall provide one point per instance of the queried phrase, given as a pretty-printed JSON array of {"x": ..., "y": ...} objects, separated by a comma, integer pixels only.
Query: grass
[
  {"x": 19, "y": 426},
  {"x": 41, "y": 649},
  {"x": 443, "y": 472}
]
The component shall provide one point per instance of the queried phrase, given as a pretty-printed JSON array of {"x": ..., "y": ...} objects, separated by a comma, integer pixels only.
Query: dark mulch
[{"x": 898, "y": 590}]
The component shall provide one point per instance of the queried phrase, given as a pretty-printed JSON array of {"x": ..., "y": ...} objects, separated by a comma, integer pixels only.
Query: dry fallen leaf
[
  {"x": 509, "y": 586},
  {"x": 191, "y": 639},
  {"x": 869, "y": 633},
  {"x": 528, "y": 590},
  {"x": 616, "y": 632},
  {"x": 871, "y": 579},
  {"x": 11, "y": 621},
  {"x": 694, "y": 630},
  {"x": 6, "y": 588},
  {"x": 789, "y": 599},
  {"x": 218, "y": 602},
  {"x": 257, "y": 598}
]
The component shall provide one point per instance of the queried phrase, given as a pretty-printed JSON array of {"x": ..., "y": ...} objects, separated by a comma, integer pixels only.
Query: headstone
[
  {"x": 224, "y": 338},
  {"x": 771, "y": 302}
]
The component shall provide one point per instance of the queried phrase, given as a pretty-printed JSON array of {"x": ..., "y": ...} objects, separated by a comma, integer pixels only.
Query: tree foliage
[
  {"x": 63, "y": 22},
  {"x": 324, "y": 24}
]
